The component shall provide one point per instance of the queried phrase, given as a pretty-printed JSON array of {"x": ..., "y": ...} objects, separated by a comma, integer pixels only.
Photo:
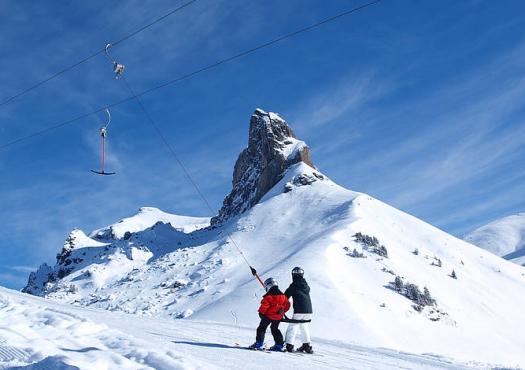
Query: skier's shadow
[{"x": 204, "y": 344}]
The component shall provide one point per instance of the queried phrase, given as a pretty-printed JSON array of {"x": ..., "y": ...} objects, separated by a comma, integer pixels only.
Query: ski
[
  {"x": 315, "y": 354},
  {"x": 265, "y": 350}
]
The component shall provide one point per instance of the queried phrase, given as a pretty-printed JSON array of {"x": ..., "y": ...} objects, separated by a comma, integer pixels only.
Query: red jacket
[{"x": 273, "y": 306}]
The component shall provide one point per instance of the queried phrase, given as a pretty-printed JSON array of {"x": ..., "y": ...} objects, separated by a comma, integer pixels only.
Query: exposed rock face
[
  {"x": 272, "y": 148},
  {"x": 303, "y": 180},
  {"x": 38, "y": 279},
  {"x": 45, "y": 274},
  {"x": 69, "y": 245}
]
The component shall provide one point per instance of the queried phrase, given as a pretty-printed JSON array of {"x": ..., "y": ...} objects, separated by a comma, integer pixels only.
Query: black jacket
[
  {"x": 299, "y": 291},
  {"x": 274, "y": 291}
]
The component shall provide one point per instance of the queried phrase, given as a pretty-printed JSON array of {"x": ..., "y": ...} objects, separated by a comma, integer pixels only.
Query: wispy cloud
[
  {"x": 12, "y": 280},
  {"x": 481, "y": 134},
  {"x": 346, "y": 96},
  {"x": 24, "y": 269},
  {"x": 412, "y": 166}
]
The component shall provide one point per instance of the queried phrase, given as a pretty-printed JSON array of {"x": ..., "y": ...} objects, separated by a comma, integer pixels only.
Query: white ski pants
[{"x": 291, "y": 331}]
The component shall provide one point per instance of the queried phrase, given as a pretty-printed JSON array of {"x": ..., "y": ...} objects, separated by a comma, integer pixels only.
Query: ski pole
[{"x": 254, "y": 273}]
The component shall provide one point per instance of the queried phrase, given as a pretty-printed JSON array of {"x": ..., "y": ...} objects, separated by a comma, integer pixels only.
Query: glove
[{"x": 254, "y": 271}]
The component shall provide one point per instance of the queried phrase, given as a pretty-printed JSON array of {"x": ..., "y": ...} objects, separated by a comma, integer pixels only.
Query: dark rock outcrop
[
  {"x": 272, "y": 148},
  {"x": 45, "y": 274},
  {"x": 68, "y": 246},
  {"x": 38, "y": 279}
]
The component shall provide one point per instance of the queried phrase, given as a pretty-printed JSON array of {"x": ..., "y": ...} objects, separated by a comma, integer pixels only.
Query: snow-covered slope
[
  {"x": 504, "y": 237},
  {"x": 368, "y": 265},
  {"x": 112, "y": 252},
  {"x": 40, "y": 334}
]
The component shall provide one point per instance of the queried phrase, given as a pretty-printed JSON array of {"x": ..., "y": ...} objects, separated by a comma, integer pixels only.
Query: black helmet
[
  {"x": 297, "y": 271},
  {"x": 269, "y": 283}
]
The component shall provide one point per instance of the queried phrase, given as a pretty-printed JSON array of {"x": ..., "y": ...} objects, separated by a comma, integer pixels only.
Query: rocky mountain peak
[
  {"x": 272, "y": 149},
  {"x": 70, "y": 243}
]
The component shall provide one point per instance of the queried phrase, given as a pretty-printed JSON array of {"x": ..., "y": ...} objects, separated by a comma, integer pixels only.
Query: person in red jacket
[{"x": 273, "y": 307}]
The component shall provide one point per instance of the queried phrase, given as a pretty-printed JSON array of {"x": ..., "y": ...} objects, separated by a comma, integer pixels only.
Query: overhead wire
[
  {"x": 170, "y": 148},
  {"x": 259, "y": 47},
  {"x": 193, "y": 73},
  {"x": 157, "y": 20},
  {"x": 94, "y": 54}
]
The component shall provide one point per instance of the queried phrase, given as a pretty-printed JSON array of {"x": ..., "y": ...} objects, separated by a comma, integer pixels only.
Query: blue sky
[{"x": 418, "y": 103}]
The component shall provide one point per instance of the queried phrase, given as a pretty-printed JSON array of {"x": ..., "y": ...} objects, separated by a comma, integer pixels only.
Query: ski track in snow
[{"x": 40, "y": 334}]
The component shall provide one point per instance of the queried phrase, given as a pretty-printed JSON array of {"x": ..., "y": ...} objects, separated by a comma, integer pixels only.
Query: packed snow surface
[
  {"x": 351, "y": 246},
  {"x": 504, "y": 237},
  {"x": 40, "y": 334}
]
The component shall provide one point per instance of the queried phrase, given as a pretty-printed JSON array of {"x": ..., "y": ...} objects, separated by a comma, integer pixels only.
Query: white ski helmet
[
  {"x": 269, "y": 283},
  {"x": 297, "y": 271}
]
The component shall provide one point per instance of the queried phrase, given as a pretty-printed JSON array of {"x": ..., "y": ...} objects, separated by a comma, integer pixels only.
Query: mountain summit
[
  {"x": 505, "y": 237},
  {"x": 378, "y": 276},
  {"x": 272, "y": 149}
]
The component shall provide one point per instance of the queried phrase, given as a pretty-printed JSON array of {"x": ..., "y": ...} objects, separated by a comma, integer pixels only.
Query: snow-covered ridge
[
  {"x": 78, "y": 239},
  {"x": 146, "y": 218},
  {"x": 111, "y": 252},
  {"x": 504, "y": 237}
]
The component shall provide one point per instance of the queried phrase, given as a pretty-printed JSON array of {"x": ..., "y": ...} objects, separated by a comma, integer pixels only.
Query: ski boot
[
  {"x": 257, "y": 346},
  {"x": 289, "y": 347},
  {"x": 306, "y": 348},
  {"x": 277, "y": 348}
]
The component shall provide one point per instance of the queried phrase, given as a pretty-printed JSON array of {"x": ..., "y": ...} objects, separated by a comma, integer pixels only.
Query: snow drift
[{"x": 379, "y": 276}]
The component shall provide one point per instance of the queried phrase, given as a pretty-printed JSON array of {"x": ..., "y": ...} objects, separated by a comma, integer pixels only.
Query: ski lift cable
[
  {"x": 188, "y": 75},
  {"x": 259, "y": 47},
  {"x": 130, "y": 35},
  {"x": 91, "y": 56},
  {"x": 170, "y": 148}
]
